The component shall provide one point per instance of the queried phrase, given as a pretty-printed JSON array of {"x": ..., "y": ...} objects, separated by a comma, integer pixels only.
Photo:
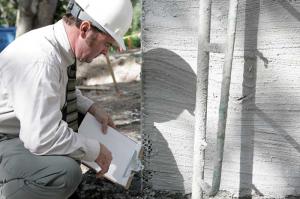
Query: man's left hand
[{"x": 102, "y": 116}]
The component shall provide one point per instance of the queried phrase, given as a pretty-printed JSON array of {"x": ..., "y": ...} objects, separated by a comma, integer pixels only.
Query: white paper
[{"x": 124, "y": 150}]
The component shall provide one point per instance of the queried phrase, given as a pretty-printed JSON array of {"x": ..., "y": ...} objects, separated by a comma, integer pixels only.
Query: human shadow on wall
[
  {"x": 252, "y": 10},
  {"x": 169, "y": 89}
]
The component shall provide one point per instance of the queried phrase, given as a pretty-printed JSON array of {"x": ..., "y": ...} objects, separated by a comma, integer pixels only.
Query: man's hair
[{"x": 71, "y": 20}]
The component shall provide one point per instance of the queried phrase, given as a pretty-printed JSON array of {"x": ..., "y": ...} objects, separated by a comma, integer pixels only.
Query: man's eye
[{"x": 111, "y": 47}]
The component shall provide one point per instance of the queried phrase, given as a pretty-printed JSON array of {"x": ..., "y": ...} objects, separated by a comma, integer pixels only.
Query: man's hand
[
  {"x": 102, "y": 116},
  {"x": 103, "y": 160}
]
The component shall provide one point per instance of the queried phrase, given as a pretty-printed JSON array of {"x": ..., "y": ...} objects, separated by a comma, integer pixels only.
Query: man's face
[{"x": 91, "y": 44}]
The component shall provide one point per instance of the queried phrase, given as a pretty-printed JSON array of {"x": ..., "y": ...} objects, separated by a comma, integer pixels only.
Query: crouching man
[{"x": 39, "y": 104}]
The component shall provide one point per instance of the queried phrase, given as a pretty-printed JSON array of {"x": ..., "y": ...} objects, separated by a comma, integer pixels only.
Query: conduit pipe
[
  {"x": 223, "y": 108},
  {"x": 201, "y": 98}
]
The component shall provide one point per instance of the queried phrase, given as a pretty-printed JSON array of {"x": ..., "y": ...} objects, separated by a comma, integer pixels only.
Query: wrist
[{"x": 92, "y": 109}]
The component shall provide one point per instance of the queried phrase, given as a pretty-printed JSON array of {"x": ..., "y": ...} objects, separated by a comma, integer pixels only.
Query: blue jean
[{"x": 24, "y": 175}]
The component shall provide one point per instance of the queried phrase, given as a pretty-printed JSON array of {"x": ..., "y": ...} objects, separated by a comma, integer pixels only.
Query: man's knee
[
  {"x": 72, "y": 174},
  {"x": 59, "y": 180}
]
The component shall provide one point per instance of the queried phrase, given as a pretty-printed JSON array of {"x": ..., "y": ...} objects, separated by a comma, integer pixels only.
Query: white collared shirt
[{"x": 33, "y": 79}]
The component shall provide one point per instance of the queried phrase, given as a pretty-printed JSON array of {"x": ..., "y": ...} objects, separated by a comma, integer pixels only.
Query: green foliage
[
  {"x": 136, "y": 21},
  {"x": 133, "y": 41},
  {"x": 8, "y": 12}
]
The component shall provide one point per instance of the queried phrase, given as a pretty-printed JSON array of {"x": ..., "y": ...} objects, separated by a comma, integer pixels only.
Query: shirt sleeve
[
  {"x": 83, "y": 103},
  {"x": 36, "y": 100}
]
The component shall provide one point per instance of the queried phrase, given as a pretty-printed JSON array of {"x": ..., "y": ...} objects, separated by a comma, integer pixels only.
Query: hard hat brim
[{"x": 119, "y": 40}]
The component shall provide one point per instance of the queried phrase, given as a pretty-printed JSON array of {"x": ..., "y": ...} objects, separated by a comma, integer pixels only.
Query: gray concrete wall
[{"x": 262, "y": 137}]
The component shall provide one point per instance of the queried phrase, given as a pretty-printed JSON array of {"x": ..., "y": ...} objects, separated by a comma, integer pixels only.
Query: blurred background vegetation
[{"x": 8, "y": 12}]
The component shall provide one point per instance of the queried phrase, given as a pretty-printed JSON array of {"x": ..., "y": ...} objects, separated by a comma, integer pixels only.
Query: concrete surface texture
[{"x": 262, "y": 142}]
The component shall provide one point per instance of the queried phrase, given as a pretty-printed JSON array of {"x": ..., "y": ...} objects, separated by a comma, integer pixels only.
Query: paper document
[{"x": 125, "y": 151}]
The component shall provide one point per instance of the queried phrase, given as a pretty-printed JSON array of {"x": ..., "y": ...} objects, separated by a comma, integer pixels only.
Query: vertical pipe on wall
[
  {"x": 201, "y": 98},
  {"x": 231, "y": 30}
]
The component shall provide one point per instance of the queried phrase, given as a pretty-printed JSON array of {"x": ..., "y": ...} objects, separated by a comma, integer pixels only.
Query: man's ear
[{"x": 84, "y": 28}]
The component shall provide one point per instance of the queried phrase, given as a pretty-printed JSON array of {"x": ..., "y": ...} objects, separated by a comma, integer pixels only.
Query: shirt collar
[{"x": 62, "y": 38}]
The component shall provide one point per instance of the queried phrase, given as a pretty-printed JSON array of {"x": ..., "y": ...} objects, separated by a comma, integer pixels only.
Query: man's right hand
[{"x": 103, "y": 160}]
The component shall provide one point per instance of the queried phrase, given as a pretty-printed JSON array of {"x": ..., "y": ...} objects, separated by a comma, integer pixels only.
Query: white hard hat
[{"x": 111, "y": 16}]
